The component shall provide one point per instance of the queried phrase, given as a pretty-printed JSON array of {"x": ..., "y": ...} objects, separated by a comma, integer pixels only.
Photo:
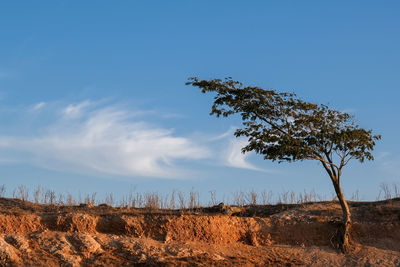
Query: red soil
[{"x": 280, "y": 235}]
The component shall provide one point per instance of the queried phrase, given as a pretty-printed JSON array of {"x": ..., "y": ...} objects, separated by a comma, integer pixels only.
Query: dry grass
[
  {"x": 180, "y": 200},
  {"x": 388, "y": 192}
]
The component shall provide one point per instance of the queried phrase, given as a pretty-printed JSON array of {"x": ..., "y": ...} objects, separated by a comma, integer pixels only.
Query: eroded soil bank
[{"x": 278, "y": 235}]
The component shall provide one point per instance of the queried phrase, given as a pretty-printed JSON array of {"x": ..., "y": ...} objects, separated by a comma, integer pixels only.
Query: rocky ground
[{"x": 276, "y": 235}]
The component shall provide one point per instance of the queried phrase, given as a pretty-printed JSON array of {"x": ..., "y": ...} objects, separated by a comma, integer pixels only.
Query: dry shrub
[{"x": 2, "y": 190}]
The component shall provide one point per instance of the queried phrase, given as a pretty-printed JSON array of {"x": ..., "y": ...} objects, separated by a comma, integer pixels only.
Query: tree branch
[
  {"x": 347, "y": 161},
  {"x": 328, "y": 170},
  {"x": 332, "y": 165},
  {"x": 323, "y": 160},
  {"x": 272, "y": 124}
]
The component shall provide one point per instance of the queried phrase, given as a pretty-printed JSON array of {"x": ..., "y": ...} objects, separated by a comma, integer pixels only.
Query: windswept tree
[{"x": 282, "y": 127}]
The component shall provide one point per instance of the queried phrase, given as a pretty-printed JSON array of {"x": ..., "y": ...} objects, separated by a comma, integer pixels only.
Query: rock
[
  {"x": 84, "y": 243},
  {"x": 8, "y": 254},
  {"x": 19, "y": 242},
  {"x": 59, "y": 246},
  {"x": 86, "y": 205},
  {"x": 232, "y": 210}
]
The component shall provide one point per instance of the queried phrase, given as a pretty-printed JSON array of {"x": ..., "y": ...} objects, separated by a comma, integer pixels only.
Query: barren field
[{"x": 276, "y": 235}]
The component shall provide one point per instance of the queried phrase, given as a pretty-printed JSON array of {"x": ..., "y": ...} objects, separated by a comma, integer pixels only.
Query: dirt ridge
[{"x": 40, "y": 235}]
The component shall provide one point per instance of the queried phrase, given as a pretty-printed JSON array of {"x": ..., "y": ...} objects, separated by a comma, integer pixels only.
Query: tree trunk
[{"x": 342, "y": 237}]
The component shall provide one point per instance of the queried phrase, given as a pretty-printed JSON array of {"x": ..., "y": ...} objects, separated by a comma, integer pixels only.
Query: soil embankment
[{"x": 278, "y": 235}]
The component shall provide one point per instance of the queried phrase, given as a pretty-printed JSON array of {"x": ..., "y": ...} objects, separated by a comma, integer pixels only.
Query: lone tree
[{"x": 282, "y": 127}]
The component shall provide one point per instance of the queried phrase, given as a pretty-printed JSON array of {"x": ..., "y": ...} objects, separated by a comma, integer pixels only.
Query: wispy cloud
[
  {"x": 234, "y": 156},
  {"x": 228, "y": 134},
  {"x": 38, "y": 106},
  {"x": 106, "y": 140},
  {"x": 99, "y": 138},
  {"x": 75, "y": 110}
]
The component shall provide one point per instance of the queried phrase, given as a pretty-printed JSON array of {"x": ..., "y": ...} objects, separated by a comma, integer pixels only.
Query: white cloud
[
  {"x": 228, "y": 133},
  {"x": 96, "y": 138},
  {"x": 106, "y": 140},
  {"x": 235, "y": 157},
  {"x": 38, "y": 106},
  {"x": 232, "y": 154},
  {"x": 75, "y": 110}
]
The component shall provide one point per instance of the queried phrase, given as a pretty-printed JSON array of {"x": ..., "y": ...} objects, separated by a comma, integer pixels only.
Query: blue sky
[{"x": 93, "y": 95}]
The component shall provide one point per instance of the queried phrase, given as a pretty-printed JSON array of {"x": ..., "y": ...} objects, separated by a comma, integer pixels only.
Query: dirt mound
[{"x": 280, "y": 235}]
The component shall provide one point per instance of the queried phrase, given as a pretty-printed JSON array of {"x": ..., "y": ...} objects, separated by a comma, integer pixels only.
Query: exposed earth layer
[{"x": 275, "y": 235}]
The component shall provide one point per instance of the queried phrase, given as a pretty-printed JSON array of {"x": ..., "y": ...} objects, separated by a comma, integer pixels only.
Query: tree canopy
[{"x": 282, "y": 127}]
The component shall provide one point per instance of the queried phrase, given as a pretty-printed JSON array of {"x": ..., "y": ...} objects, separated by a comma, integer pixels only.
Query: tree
[{"x": 282, "y": 127}]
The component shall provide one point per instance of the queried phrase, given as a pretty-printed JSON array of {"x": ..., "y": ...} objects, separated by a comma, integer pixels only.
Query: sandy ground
[{"x": 274, "y": 235}]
